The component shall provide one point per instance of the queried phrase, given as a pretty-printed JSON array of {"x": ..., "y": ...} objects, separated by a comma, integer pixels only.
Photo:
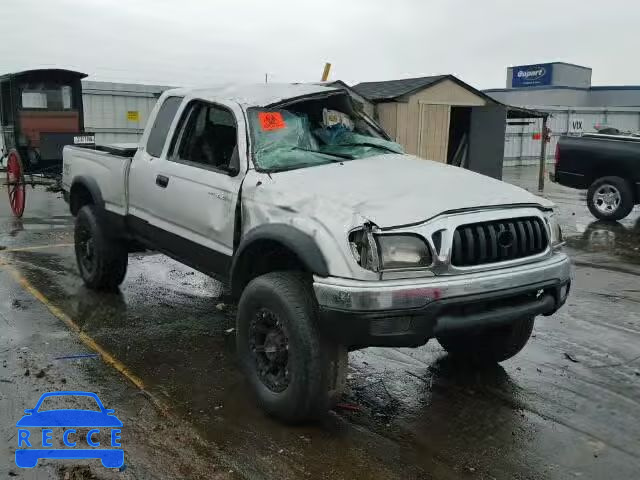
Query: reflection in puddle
[
  {"x": 15, "y": 225},
  {"x": 610, "y": 237}
]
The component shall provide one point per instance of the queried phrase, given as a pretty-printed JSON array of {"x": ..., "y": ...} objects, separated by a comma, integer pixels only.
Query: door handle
[{"x": 162, "y": 181}]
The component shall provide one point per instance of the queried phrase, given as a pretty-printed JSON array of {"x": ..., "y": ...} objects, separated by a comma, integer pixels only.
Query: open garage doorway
[{"x": 459, "y": 128}]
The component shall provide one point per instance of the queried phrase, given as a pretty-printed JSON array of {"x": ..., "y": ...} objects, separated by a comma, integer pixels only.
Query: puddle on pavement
[
  {"x": 413, "y": 410},
  {"x": 168, "y": 326},
  {"x": 613, "y": 238},
  {"x": 416, "y": 408},
  {"x": 26, "y": 232}
]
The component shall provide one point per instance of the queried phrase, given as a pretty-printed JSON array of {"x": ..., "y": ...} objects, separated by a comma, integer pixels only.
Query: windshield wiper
[
  {"x": 367, "y": 144},
  {"x": 339, "y": 158},
  {"x": 284, "y": 168},
  {"x": 339, "y": 155}
]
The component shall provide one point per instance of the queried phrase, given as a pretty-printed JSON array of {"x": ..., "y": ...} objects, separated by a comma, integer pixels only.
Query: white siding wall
[
  {"x": 106, "y": 108},
  {"x": 388, "y": 118},
  {"x": 521, "y": 149},
  {"x": 433, "y": 132}
]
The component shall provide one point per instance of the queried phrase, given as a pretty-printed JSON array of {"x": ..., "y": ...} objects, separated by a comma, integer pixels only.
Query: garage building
[{"x": 441, "y": 118}]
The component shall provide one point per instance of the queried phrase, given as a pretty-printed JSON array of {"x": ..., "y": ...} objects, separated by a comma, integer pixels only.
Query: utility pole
[
  {"x": 266, "y": 78},
  {"x": 543, "y": 153}
]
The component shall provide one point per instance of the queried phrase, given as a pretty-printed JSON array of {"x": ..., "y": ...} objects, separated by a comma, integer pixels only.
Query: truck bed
[
  {"x": 626, "y": 138},
  {"x": 105, "y": 165},
  {"x": 119, "y": 149},
  {"x": 581, "y": 160}
]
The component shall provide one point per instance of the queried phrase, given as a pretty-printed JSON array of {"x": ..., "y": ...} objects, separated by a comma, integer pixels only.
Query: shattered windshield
[{"x": 309, "y": 134}]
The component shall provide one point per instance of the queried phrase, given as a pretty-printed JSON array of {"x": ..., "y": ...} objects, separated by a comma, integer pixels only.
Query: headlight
[
  {"x": 403, "y": 251},
  {"x": 389, "y": 252},
  {"x": 556, "y": 232}
]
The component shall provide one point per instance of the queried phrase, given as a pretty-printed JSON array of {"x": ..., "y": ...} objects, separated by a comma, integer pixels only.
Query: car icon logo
[{"x": 28, "y": 453}]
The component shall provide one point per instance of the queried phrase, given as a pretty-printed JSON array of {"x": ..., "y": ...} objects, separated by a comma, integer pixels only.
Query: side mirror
[
  {"x": 109, "y": 411},
  {"x": 29, "y": 410}
]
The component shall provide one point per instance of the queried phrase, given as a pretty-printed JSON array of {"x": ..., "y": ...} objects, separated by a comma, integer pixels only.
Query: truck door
[
  {"x": 196, "y": 187},
  {"x": 142, "y": 191}
]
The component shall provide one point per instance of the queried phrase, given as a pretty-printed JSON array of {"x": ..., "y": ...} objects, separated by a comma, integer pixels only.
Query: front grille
[{"x": 497, "y": 241}]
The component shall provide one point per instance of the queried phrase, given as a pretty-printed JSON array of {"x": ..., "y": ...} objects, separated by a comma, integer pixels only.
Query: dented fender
[
  {"x": 309, "y": 219},
  {"x": 295, "y": 240}
]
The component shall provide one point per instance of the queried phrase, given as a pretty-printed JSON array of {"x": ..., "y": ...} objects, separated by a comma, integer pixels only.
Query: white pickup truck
[{"x": 331, "y": 238}]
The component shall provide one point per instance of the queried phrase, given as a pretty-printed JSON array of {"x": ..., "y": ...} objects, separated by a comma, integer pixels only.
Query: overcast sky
[{"x": 193, "y": 42}]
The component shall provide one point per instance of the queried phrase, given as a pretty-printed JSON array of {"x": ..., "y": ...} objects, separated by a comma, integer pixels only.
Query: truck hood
[{"x": 392, "y": 190}]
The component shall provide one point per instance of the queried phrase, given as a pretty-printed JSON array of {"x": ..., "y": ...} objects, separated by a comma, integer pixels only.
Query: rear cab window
[{"x": 161, "y": 125}]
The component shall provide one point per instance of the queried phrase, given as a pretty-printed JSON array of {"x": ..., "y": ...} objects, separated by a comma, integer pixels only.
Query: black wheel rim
[
  {"x": 269, "y": 347},
  {"x": 85, "y": 249}
]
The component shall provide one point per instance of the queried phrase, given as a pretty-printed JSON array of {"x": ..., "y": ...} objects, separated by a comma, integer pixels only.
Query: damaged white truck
[{"x": 329, "y": 236}]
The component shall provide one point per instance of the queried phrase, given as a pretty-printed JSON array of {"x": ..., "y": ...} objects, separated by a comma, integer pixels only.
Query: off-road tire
[
  {"x": 108, "y": 265},
  {"x": 626, "y": 202},
  {"x": 491, "y": 345},
  {"x": 316, "y": 366}
]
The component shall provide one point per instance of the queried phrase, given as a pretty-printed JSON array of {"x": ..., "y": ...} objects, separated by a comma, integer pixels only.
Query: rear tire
[
  {"x": 295, "y": 372},
  {"x": 102, "y": 259},
  {"x": 489, "y": 346},
  {"x": 610, "y": 198}
]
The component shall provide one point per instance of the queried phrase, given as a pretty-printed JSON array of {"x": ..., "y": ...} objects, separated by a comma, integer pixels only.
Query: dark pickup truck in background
[{"x": 607, "y": 165}]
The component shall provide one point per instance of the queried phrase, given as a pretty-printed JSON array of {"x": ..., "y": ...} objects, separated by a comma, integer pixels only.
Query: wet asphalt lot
[{"x": 566, "y": 407}]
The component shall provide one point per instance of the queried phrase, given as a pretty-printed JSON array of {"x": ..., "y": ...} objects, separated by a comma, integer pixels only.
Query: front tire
[
  {"x": 295, "y": 372},
  {"x": 610, "y": 198},
  {"x": 492, "y": 345},
  {"x": 102, "y": 259}
]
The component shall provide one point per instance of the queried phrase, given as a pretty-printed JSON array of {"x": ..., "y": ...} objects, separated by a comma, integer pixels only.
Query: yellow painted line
[
  {"x": 84, "y": 338},
  {"x": 35, "y": 247}
]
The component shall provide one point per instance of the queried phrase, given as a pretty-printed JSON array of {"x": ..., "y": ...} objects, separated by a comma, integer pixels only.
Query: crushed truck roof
[{"x": 257, "y": 95}]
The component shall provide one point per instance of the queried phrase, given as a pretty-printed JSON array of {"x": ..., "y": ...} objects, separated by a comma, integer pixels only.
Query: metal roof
[
  {"x": 522, "y": 113},
  {"x": 551, "y": 63},
  {"x": 342, "y": 85},
  {"x": 390, "y": 89},
  {"x": 258, "y": 95},
  {"x": 127, "y": 89},
  {"x": 43, "y": 71}
]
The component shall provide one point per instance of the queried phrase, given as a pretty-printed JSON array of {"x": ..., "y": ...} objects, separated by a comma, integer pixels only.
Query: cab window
[
  {"x": 207, "y": 137},
  {"x": 161, "y": 125}
]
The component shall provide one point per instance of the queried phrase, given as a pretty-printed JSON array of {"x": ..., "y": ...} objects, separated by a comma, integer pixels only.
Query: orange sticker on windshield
[{"x": 271, "y": 120}]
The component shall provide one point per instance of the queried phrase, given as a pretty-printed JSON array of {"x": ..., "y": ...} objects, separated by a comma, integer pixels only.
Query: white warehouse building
[
  {"x": 118, "y": 112},
  {"x": 575, "y": 106}
]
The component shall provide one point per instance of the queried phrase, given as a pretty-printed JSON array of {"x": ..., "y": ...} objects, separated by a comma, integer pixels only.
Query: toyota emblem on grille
[{"x": 505, "y": 239}]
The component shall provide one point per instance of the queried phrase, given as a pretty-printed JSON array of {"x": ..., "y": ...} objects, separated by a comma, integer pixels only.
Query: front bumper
[{"x": 409, "y": 312}]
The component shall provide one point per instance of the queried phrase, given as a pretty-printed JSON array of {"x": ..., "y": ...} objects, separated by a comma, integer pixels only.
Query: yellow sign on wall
[{"x": 133, "y": 116}]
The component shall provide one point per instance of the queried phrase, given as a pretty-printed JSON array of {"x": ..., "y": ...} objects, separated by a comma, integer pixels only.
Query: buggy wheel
[{"x": 16, "y": 183}]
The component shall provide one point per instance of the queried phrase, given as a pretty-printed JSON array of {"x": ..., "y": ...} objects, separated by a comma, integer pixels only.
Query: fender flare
[
  {"x": 91, "y": 185},
  {"x": 300, "y": 243}
]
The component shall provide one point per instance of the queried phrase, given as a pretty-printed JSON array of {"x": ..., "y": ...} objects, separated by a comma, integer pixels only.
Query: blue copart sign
[{"x": 532, "y": 75}]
